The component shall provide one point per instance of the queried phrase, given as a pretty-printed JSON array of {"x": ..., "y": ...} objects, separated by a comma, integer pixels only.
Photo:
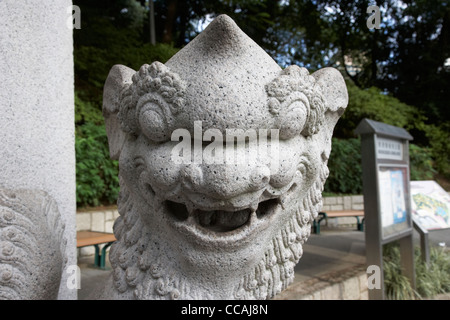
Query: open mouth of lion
[{"x": 221, "y": 225}]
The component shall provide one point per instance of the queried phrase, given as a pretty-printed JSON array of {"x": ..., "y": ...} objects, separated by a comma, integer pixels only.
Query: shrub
[
  {"x": 396, "y": 285},
  {"x": 96, "y": 174},
  {"x": 421, "y": 163},
  {"x": 440, "y": 147},
  {"x": 86, "y": 111},
  {"x": 373, "y": 104},
  {"x": 345, "y": 167},
  {"x": 346, "y": 171},
  {"x": 431, "y": 280}
]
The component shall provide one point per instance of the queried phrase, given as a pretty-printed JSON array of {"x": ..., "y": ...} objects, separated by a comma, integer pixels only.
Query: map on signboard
[{"x": 430, "y": 204}]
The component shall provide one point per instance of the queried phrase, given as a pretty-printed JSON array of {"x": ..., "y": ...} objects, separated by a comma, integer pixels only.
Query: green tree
[{"x": 419, "y": 70}]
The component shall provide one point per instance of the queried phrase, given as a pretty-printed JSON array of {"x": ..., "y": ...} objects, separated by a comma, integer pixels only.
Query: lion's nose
[
  {"x": 260, "y": 177},
  {"x": 225, "y": 181}
]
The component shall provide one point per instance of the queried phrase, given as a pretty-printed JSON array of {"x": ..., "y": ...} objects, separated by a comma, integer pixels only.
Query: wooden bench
[
  {"x": 337, "y": 214},
  {"x": 91, "y": 238}
]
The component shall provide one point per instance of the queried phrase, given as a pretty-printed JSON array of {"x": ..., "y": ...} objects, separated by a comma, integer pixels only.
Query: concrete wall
[
  {"x": 37, "y": 106},
  {"x": 100, "y": 221},
  {"x": 355, "y": 202}
]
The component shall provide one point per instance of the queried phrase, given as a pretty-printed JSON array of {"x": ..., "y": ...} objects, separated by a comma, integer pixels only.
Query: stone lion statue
[{"x": 212, "y": 229}]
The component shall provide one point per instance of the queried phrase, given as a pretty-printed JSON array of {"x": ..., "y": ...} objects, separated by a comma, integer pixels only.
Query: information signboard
[{"x": 387, "y": 196}]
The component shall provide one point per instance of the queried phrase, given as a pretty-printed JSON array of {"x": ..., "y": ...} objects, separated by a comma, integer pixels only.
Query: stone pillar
[{"x": 37, "y": 109}]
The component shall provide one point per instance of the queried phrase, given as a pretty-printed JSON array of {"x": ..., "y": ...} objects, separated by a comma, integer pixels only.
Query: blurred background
[{"x": 398, "y": 74}]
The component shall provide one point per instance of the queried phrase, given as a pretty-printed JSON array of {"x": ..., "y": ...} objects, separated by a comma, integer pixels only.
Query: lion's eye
[
  {"x": 153, "y": 123},
  {"x": 293, "y": 116}
]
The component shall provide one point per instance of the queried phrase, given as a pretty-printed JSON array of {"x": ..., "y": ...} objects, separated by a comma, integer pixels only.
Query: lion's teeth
[
  {"x": 282, "y": 201},
  {"x": 205, "y": 218},
  {"x": 254, "y": 206},
  {"x": 232, "y": 219},
  {"x": 190, "y": 208},
  {"x": 220, "y": 220}
]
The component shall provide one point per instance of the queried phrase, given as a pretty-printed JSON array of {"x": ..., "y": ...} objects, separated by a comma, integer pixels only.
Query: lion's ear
[
  {"x": 118, "y": 79},
  {"x": 335, "y": 94},
  {"x": 333, "y": 88}
]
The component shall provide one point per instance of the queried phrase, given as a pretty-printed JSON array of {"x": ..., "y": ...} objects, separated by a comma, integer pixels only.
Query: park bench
[
  {"x": 358, "y": 214},
  {"x": 91, "y": 238}
]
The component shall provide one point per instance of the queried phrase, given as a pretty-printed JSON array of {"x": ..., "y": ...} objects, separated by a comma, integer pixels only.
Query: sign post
[{"x": 386, "y": 189}]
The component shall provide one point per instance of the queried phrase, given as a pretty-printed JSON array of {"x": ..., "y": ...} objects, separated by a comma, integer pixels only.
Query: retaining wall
[{"x": 349, "y": 284}]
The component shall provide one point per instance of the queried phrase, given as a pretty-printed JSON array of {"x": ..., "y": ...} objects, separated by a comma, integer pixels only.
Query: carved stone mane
[{"x": 32, "y": 245}]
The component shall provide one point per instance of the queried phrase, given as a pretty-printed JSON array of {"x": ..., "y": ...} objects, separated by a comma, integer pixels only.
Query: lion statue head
[{"x": 194, "y": 224}]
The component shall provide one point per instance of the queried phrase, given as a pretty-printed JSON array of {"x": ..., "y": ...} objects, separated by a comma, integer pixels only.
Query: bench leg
[
  {"x": 360, "y": 224},
  {"x": 97, "y": 256},
  {"x": 100, "y": 259},
  {"x": 316, "y": 223},
  {"x": 103, "y": 256}
]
